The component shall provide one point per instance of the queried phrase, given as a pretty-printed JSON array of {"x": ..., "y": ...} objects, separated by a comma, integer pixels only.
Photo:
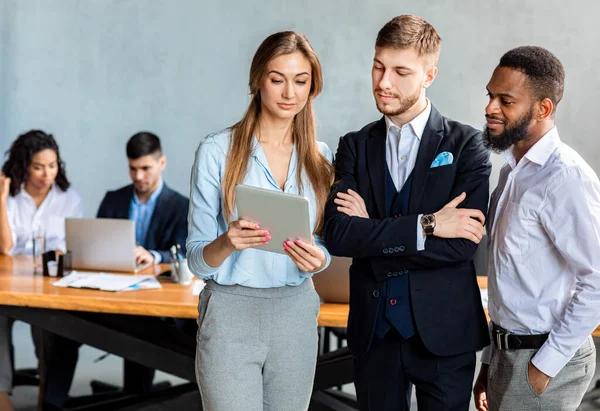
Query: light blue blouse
[{"x": 250, "y": 267}]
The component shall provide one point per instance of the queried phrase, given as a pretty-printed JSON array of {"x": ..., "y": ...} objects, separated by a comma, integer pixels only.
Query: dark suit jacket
[
  {"x": 168, "y": 225},
  {"x": 445, "y": 298}
]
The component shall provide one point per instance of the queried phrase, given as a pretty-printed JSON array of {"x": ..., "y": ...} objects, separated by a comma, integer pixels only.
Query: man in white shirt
[{"x": 544, "y": 229}]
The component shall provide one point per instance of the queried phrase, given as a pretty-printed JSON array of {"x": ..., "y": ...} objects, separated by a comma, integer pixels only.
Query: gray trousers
[
  {"x": 257, "y": 348},
  {"x": 509, "y": 387}
]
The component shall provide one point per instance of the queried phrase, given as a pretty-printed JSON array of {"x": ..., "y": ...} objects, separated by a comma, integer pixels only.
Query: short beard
[
  {"x": 509, "y": 136},
  {"x": 405, "y": 105}
]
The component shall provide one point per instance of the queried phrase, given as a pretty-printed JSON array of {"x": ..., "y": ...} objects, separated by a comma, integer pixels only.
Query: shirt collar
[
  {"x": 153, "y": 197},
  {"x": 540, "y": 152},
  {"x": 24, "y": 194},
  {"x": 417, "y": 124}
]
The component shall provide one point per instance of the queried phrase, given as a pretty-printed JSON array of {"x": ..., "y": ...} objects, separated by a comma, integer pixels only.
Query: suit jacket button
[
  {"x": 375, "y": 293},
  {"x": 385, "y": 251},
  {"x": 396, "y": 274},
  {"x": 393, "y": 301},
  {"x": 402, "y": 248},
  {"x": 396, "y": 249},
  {"x": 390, "y": 274}
]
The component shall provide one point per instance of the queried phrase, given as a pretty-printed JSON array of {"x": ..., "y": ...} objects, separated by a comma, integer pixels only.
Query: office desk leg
[{"x": 42, "y": 367}]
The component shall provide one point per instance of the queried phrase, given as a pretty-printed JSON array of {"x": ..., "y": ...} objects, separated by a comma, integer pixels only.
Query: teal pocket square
[{"x": 443, "y": 159}]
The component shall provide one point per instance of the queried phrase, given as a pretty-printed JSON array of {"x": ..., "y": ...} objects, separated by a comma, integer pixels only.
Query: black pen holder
[{"x": 63, "y": 260}]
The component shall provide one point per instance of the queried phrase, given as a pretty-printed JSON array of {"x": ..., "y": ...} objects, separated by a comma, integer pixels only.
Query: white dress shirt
[
  {"x": 24, "y": 217},
  {"x": 401, "y": 149},
  {"x": 544, "y": 229}
]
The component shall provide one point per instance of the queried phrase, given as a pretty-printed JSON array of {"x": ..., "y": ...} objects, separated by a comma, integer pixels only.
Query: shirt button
[
  {"x": 403, "y": 158},
  {"x": 375, "y": 293},
  {"x": 393, "y": 301}
]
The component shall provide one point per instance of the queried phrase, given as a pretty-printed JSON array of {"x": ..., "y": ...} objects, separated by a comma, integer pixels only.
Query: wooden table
[{"x": 19, "y": 287}]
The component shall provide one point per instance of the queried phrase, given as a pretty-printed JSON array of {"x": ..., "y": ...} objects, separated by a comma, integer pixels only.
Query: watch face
[{"x": 428, "y": 219}]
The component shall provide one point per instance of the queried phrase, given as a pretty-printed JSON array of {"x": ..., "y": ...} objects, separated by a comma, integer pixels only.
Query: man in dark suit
[
  {"x": 160, "y": 216},
  {"x": 415, "y": 309}
]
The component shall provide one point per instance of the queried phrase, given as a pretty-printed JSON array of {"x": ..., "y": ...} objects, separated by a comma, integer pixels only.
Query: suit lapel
[
  {"x": 376, "y": 164},
  {"x": 430, "y": 142},
  {"x": 156, "y": 221},
  {"x": 124, "y": 205}
]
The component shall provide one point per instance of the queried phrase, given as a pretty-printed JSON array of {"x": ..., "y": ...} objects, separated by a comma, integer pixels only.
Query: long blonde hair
[{"x": 318, "y": 169}]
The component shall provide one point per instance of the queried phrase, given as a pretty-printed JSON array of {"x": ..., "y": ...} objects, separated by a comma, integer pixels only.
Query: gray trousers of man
[
  {"x": 257, "y": 348},
  {"x": 509, "y": 388}
]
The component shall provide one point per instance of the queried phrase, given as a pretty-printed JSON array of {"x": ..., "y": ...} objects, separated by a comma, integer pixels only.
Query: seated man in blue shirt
[
  {"x": 160, "y": 216},
  {"x": 160, "y": 213}
]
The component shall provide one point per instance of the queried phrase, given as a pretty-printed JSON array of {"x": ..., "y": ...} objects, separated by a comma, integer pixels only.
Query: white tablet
[{"x": 285, "y": 216}]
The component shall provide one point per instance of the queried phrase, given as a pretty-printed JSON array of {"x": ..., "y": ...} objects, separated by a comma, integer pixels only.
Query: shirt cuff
[
  {"x": 157, "y": 257},
  {"x": 197, "y": 264},
  {"x": 420, "y": 236},
  {"x": 486, "y": 355},
  {"x": 549, "y": 360}
]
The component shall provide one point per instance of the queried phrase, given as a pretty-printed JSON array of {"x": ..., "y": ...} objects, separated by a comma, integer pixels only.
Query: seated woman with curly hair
[{"x": 35, "y": 196}]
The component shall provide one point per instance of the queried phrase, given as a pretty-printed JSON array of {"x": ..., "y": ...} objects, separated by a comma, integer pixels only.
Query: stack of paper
[{"x": 108, "y": 282}]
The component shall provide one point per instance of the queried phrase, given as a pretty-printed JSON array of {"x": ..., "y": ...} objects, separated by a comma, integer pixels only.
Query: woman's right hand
[
  {"x": 244, "y": 234},
  {"x": 4, "y": 187}
]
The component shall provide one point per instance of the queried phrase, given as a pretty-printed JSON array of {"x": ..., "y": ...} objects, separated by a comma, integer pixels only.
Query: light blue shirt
[
  {"x": 401, "y": 149},
  {"x": 249, "y": 267},
  {"x": 142, "y": 213}
]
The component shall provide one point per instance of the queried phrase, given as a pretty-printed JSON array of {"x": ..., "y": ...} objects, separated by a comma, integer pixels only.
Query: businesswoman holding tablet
[
  {"x": 257, "y": 336},
  {"x": 35, "y": 196}
]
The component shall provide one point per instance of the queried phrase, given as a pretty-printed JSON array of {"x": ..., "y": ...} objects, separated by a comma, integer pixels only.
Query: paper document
[{"x": 108, "y": 282}]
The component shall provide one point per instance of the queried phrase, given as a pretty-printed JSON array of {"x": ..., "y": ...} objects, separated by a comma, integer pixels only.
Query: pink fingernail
[
  {"x": 256, "y": 226},
  {"x": 298, "y": 241},
  {"x": 267, "y": 234},
  {"x": 289, "y": 243},
  {"x": 266, "y": 242},
  {"x": 268, "y": 237}
]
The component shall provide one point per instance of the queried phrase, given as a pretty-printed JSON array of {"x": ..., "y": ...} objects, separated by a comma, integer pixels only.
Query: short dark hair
[
  {"x": 544, "y": 71},
  {"x": 407, "y": 31},
  {"x": 20, "y": 154},
  {"x": 142, "y": 144}
]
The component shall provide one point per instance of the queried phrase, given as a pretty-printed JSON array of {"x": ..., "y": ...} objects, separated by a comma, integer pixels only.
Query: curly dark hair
[
  {"x": 20, "y": 155},
  {"x": 544, "y": 71}
]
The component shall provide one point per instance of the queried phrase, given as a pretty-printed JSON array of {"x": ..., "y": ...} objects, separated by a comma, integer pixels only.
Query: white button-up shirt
[
  {"x": 544, "y": 266},
  {"x": 25, "y": 218},
  {"x": 401, "y": 149}
]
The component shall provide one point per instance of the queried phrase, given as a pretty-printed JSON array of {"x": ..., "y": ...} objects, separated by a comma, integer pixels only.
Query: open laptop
[
  {"x": 102, "y": 244},
  {"x": 333, "y": 283}
]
